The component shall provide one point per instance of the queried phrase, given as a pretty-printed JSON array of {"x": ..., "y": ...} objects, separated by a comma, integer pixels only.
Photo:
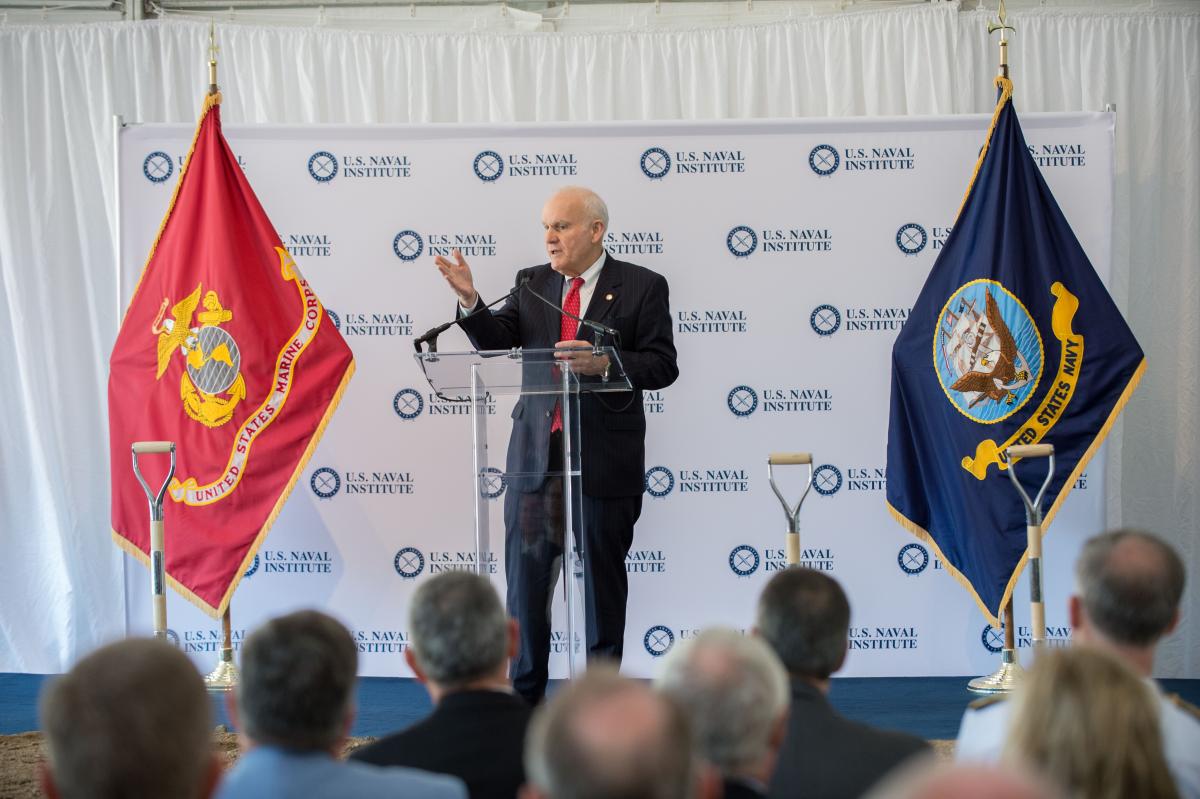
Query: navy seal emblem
[{"x": 987, "y": 352}]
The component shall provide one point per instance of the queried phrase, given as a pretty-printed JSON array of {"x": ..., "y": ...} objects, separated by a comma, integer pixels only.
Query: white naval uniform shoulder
[
  {"x": 983, "y": 729},
  {"x": 1181, "y": 739}
]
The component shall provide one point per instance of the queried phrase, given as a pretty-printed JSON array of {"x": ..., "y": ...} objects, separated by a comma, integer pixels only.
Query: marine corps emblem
[
  {"x": 211, "y": 385},
  {"x": 987, "y": 352}
]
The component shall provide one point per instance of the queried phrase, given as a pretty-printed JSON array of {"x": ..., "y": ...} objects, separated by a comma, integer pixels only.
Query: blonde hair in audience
[{"x": 1085, "y": 720}]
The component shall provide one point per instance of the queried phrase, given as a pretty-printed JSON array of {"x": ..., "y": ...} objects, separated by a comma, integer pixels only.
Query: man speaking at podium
[{"x": 584, "y": 281}]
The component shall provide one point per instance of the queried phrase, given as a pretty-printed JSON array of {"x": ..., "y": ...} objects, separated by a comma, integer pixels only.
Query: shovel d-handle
[
  {"x": 792, "y": 539},
  {"x": 158, "y": 593},
  {"x": 1033, "y": 532}
]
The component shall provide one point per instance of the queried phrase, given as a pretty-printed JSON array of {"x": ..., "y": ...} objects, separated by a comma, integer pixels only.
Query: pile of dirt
[{"x": 20, "y": 755}]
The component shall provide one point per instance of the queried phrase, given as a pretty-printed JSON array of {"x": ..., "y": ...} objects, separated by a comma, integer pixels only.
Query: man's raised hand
[{"x": 458, "y": 275}]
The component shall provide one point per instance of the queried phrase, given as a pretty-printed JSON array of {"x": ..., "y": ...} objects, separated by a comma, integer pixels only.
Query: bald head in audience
[
  {"x": 735, "y": 692},
  {"x": 130, "y": 719},
  {"x": 603, "y": 737},
  {"x": 928, "y": 780},
  {"x": 1128, "y": 585}
]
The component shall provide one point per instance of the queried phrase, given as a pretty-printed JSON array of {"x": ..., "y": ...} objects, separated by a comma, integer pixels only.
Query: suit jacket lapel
[
  {"x": 552, "y": 289},
  {"x": 607, "y": 292}
]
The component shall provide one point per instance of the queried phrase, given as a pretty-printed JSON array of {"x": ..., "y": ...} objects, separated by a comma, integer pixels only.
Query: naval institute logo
[
  {"x": 827, "y": 479},
  {"x": 408, "y": 245},
  {"x": 488, "y": 166},
  {"x": 744, "y": 560},
  {"x": 211, "y": 385},
  {"x": 322, "y": 166},
  {"x": 992, "y": 639},
  {"x": 659, "y": 481},
  {"x": 408, "y": 403},
  {"x": 913, "y": 558},
  {"x": 409, "y": 563},
  {"x": 325, "y": 482},
  {"x": 742, "y": 400},
  {"x": 742, "y": 241},
  {"x": 492, "y": 482},
  {"x": 655, "y": 163},
  {"x": 825, "y": 320},
  {"x": 658, "y": 640},
  {"x": 911, "y": 238},
  {"x": 987, "y": 352},
  {"x": 824, "y": 159},
  {"x": 158, "y": 167}
]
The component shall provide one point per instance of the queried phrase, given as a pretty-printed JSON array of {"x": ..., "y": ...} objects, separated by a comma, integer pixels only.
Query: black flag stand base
[
  {"x": 225, "y": 676},
  {"x": 1004, "y": 678}
]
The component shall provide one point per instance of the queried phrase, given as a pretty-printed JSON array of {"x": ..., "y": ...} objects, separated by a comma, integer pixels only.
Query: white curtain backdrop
[{"x": 60, "y": 575}]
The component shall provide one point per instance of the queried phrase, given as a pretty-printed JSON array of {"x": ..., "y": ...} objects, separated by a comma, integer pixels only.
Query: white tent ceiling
[{"x": 498, "y": 15}]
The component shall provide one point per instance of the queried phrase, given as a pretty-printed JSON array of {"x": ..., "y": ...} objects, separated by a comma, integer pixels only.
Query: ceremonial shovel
[
  {"x": 793, "y": 514},
  {"x": 157, "y": 565},
  {"x": 1033, "y": 530}
]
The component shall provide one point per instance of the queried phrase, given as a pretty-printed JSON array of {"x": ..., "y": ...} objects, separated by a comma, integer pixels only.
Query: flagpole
[
  {"x": 225, "y": 676},
  {"x": 1004, "y": 679},
  {"x": 1003, "y": 27},
  {"x": 212, "y": 57}
]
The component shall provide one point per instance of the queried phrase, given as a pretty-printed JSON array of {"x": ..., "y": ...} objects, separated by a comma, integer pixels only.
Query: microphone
[
  {"x": 431, "y": 335},
  {"x": 603, "y": 330}
]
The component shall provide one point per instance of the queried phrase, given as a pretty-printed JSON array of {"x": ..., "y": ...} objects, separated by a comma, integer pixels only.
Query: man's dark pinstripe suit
[{"x": 634, "y": 301}]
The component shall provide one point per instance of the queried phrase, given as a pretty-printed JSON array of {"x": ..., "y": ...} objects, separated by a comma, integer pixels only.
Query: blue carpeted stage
[{"x": 926, "y": 706}]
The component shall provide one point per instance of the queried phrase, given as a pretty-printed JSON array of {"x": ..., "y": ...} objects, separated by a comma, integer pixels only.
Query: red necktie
[{"x": 567, "y": 329}]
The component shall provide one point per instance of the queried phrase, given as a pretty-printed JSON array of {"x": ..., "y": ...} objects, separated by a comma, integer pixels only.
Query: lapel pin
[{"x": 608, "y": 297}]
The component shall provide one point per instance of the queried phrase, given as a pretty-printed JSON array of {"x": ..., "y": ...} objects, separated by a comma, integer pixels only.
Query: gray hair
[
  {"x": 805, "y": 617},
  {"x": 1130, "y": 583},
  {"x": 604, "y": 736},
  {"x": 735, "y": 690},
  {"x": 459, "y": 629},
  {"x": 593, "y": 205},
  {"x": 130, "y": 719},
  {"x": 297, "y": 687}
]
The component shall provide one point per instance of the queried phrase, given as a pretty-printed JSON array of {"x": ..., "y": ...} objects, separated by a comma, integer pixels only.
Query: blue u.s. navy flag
[{"x": 1013, "y": 340}]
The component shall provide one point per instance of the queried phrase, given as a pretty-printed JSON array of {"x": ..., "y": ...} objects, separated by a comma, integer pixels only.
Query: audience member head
[
  {"x": 1128, "y": 587},
  {"x": 805, "y": 617},
  {"x": 1085, "y": 720},
  {"x": 461, "y": 637},
  {"x": 297, "y": 686},
  {"x": 928, "y": 779},
  {"x": 606, "y": 737},
  {"x": 130, "y": 719},
  {"x": 735, "y": 692}
]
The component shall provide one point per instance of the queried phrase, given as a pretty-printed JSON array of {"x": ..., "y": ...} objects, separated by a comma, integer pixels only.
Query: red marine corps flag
[{"x": 225, "y": 350}]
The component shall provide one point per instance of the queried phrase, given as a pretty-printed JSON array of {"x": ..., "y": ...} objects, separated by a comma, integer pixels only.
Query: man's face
[{"x": 572, "y": 239}]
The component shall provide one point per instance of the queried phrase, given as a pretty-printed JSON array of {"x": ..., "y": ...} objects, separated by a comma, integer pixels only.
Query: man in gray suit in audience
[
  {"x": 805, "y": 617},
  {"x": 1128, "y": 585}
]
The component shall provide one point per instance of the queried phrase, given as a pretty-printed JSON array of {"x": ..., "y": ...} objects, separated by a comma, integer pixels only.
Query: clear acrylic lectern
[{"x": 536, "y": 377}]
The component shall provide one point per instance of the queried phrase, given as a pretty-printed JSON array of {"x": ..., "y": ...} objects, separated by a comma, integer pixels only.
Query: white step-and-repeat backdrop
[{"x": 794, "y": 250}]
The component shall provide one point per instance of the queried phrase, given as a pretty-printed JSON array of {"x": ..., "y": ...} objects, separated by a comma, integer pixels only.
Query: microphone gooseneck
[{"x": 431, "y": 335}]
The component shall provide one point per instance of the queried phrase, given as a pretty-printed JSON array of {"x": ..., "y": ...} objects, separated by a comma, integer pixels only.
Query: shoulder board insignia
[
  {"x": 1184, "y": 705},
  {"x": 987, "y": 701}
]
